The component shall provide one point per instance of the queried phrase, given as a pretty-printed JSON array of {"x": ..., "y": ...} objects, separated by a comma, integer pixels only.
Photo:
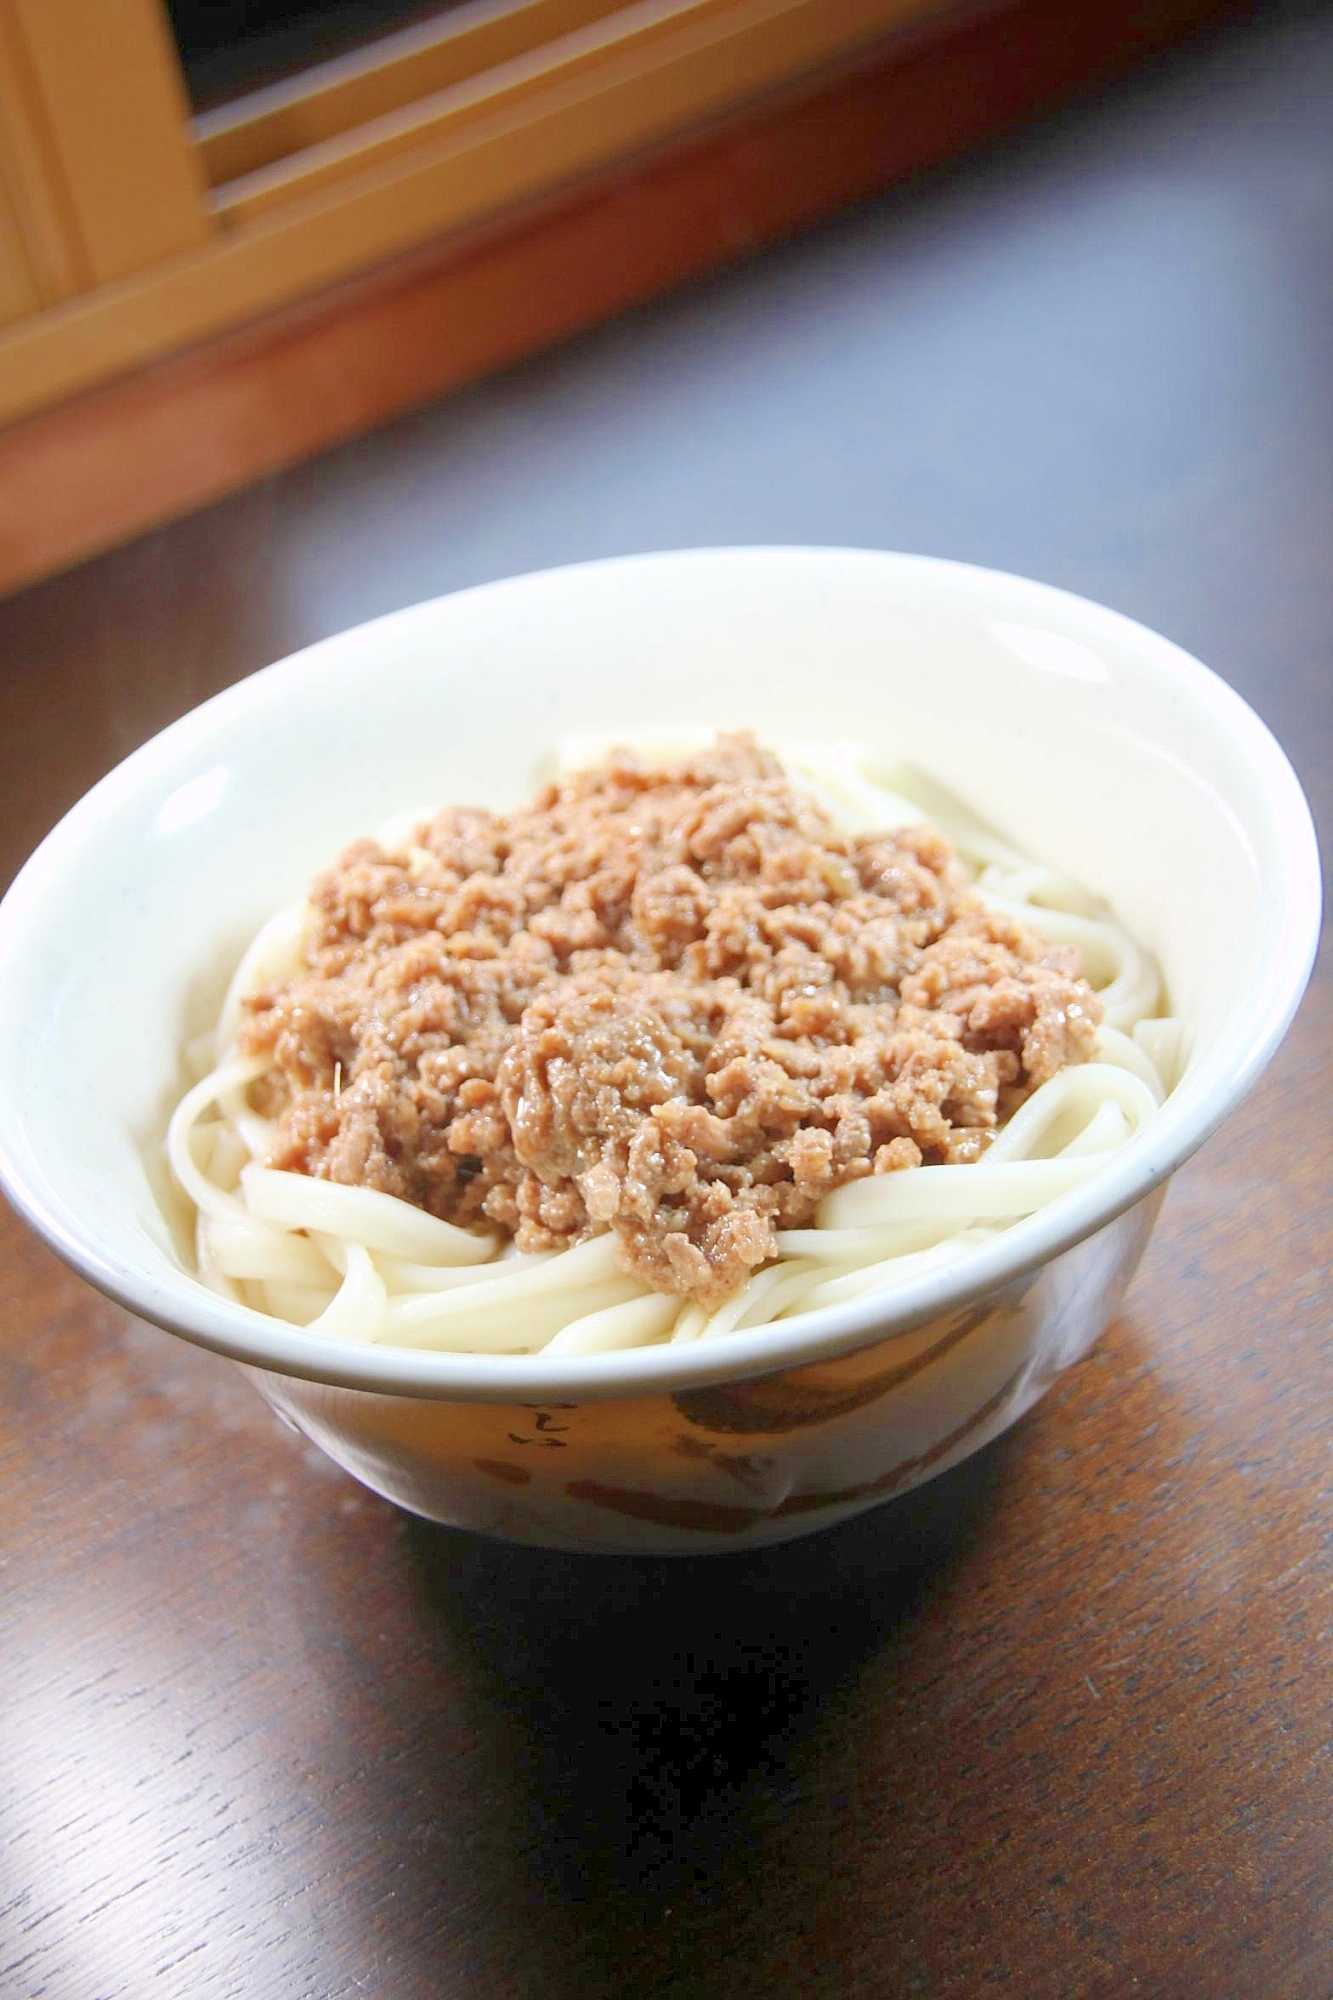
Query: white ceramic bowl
[{"x": 1095, "y": 744}]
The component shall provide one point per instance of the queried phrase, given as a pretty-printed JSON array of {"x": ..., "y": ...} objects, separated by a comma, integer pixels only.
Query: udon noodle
[{"x": 358, "y": 1264}]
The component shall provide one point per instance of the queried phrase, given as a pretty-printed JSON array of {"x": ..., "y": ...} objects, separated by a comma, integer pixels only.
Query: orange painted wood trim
[
  {"x": 657, "y": 72},
  {"x": 390, "y": 74},
  {"x": 145, "y": 450},
  {"x": 641, "y": 76},
  {"x": 113, "y": 105}
]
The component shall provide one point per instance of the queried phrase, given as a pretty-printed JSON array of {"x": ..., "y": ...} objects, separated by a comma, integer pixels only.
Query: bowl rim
[{"x": 185, "y": 1307}]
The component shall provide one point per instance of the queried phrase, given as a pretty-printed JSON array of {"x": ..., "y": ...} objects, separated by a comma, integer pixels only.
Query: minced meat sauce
[{"x": 678, "y": 1004}]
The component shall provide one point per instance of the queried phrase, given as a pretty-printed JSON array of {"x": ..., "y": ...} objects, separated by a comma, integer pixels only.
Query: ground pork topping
[{"x": 678, "y": 1004}]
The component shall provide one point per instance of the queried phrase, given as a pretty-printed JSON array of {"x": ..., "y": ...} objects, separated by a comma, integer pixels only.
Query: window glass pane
[{"x": 230, "y": 46}]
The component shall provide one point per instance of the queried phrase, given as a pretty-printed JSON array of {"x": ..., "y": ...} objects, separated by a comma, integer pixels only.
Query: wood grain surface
[{"x": 1059, "y": 1724}]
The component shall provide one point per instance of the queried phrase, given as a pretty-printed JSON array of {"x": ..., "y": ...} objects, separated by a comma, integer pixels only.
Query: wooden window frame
[
  {"x": 83, "y": 472},
  {"x": 331, "y": 98},
  {"x": 102, "y": 161},
  {"x": 349, "y": 167}
]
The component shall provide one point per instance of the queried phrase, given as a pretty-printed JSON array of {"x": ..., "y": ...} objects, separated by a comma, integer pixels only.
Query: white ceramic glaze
[{"x": 1093, "y": 743}]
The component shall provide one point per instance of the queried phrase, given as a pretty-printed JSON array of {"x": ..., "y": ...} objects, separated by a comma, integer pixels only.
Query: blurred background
[{"x": 233, "y": 235}]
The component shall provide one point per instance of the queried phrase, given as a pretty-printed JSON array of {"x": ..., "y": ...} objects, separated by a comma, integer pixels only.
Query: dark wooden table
[{"x": 1059, "y": 1724}]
